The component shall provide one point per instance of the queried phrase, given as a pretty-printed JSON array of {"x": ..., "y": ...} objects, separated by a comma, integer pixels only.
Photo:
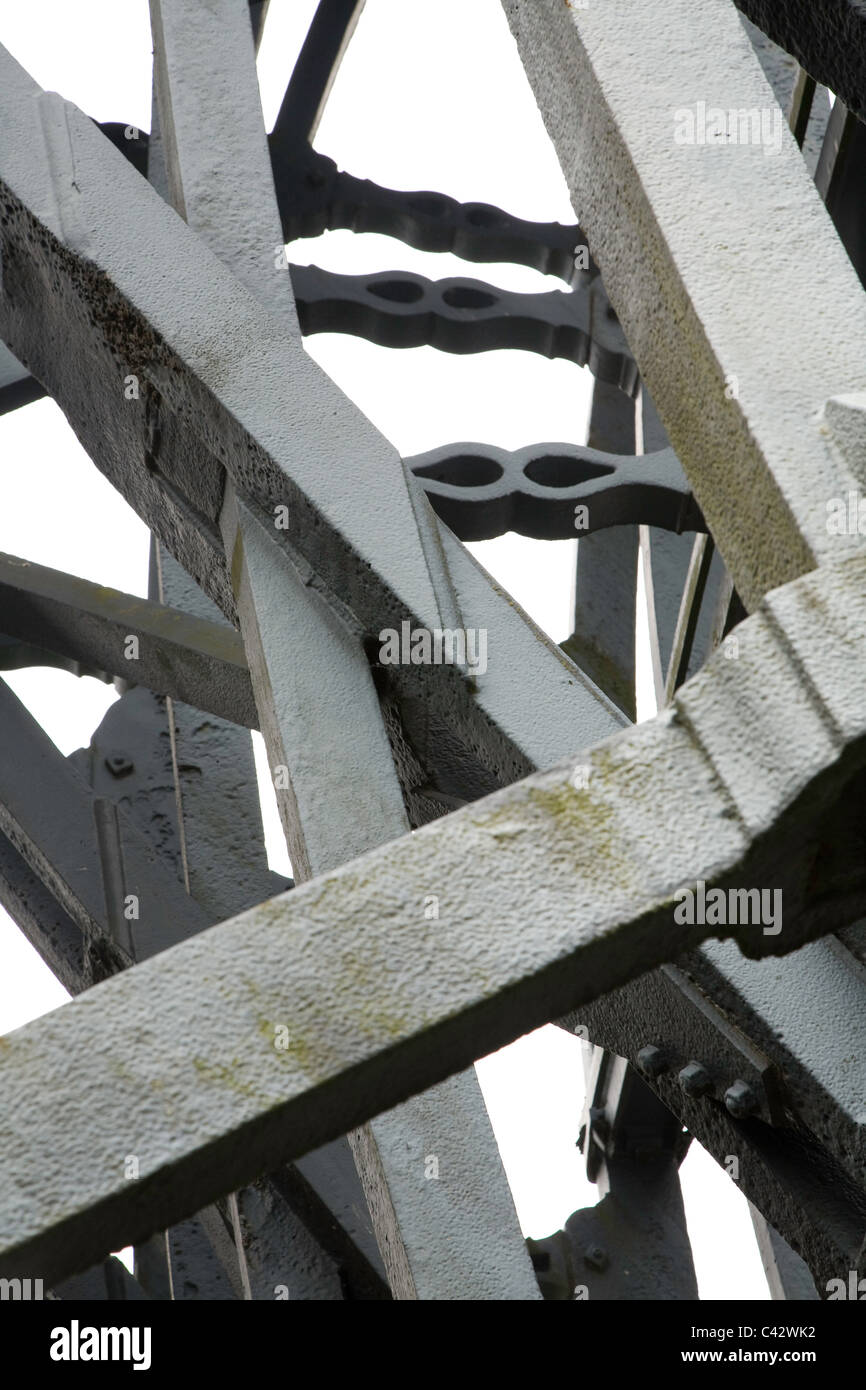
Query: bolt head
[
  {"x": 596, "y": 1257},
  {"x": 651, "y": 1061},
  {"x": 695, "y": 1079},
  {"x": 741, "y": 1100},
  {"x": 119, "y": 765}
]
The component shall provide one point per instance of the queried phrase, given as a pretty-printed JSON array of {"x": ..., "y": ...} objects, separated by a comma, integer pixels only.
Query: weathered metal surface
[
  {"x": 336, "y": 807},
  {"x": 640, "y": 1006},
  {"x": 58, "y": 839},
  {"x": 674, "y": 226},
  {"x": 760, "y": 1029},
  {"x": 786, "y": 1013},
  {"x": 799, "y": 1187},
  {"x": 828, "y": 39},
  {"x": 242, "y": 1102},
  {"x": 225, "y": 868},
  {"x": 208, "y": 464},
  {"x": 197, "y": 303},
  {"x": 193, "y": 659},
  {"x": 126, "y": 759},
  {"x": 399, "y": 309},
  {"x": 196, "y": 1271},
  {"x": 272, "y": 1246},
  {"x": 50, "y": 930},
  {"x": 434, "y": 1248},
  {"x": 666, "y": 1014},
  {"x": 633, "y": 1244}
]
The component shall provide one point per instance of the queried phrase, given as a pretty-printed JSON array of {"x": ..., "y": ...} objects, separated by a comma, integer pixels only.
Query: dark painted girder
[
  {"x": 87, "y": 628},
  {"x": 827, "y": 37},
  {"x": 482, "y": 492}
]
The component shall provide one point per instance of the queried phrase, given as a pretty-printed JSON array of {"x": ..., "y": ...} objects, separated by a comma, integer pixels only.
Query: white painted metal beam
[
  {"x": 549, "y": 895},
  {"x": 339, "y": 794},
  {"x": 215, "y": 362},
  {"x": 717, "y": 258}
]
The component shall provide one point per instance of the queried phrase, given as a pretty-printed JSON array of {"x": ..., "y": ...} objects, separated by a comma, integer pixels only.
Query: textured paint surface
[
  {"x": 381, "y": 1002},
  {"x": 343, "y": 797},
  {"x": 702, "y": 249}
]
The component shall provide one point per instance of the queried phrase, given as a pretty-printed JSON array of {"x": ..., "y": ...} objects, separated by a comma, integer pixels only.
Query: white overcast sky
[{"x": 428, "y": 97}]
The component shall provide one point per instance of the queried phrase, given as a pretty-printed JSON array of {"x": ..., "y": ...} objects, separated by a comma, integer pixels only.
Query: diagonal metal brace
[
  {"x": 200, "y": 662},
  {"x": 419, "y": 1000}
]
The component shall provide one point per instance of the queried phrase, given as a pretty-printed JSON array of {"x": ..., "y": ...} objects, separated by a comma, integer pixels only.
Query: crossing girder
[{"x": 783, "y": 487}]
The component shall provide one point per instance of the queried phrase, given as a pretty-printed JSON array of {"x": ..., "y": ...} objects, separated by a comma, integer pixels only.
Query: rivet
[
  {"x": 596, "y": 1257},
  {"x": 695, "y": 1079},
  {"x": 741, "y": 1100},
  {"x": 651, "y": 1061},
  {"x": 119, "y": 765}
]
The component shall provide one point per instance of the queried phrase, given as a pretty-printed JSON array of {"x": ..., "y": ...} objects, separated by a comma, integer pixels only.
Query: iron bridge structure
[{"x": 255, "y": 1073}]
